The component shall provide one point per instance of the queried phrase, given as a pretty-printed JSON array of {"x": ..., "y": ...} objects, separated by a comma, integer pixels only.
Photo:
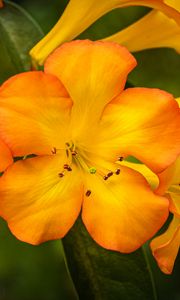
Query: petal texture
[
  {"x": 122, "y": 212},
  {"x": 34, "y": 113},
  {"x": 98, "y": 74},
  {"x": 166, "y": 246},
  {"x": 144, "y": 123},
  {"x": 37, "y": 204}
]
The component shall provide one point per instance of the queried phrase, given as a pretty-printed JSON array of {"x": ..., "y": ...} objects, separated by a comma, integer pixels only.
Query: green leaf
[
  {"x": 99, "y": 274},
  {"x": 18, "y": 34},
  {"x": 158, "y": 68}
]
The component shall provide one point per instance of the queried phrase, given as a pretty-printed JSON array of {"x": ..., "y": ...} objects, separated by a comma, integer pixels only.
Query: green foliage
[
  {"x": 32, "y": 273},
  {"x": 106, "y": 275},
  {"x": 18, "y": 33},
  {"x": 157, "y": 68}
]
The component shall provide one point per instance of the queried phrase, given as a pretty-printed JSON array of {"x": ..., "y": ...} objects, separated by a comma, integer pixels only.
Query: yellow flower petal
[
  {"x": 122, "y": 212},
  {"x": 166, "y": 246},
  {"x": 151, "y": 177},
  {"x": 38, "y": 204},
  {"x": 33, "y": 107},
  {"x": 93, "y": 74},
  {"x": 80, "y": 14},
  {"x": 170, "y": 178},
  {"x": 134, "y": 124},
  {"x": 154, "y": 30}
]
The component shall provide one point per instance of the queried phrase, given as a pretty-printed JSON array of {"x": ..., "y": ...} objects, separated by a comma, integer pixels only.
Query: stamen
[
  {"x": 117, "y": 171},
  {"x": 105, "y": 177},
  {"x": 60, "y": 174},
  {"x": 67, "y": 153},
  {"x": 54, "y": 150},
  {"x": 69, "y": 169},
  {"x": 88, "y": 193}
]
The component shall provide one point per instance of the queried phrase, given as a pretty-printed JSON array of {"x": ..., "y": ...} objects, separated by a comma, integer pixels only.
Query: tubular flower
[
  {"x": 154, "y": 30},
  {"x": 80, "y": 14},
  {"x": 78, "y": 121}
]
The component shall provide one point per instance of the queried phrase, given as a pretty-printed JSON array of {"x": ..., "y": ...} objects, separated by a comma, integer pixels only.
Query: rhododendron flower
[
  {"x": 78, "y": 121},
  {"x": 80, "y": 14},
  {"x": 154, "y": 30}
]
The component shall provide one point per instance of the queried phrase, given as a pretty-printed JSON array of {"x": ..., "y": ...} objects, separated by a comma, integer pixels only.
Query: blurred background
[{"x": 39, "y": 272}]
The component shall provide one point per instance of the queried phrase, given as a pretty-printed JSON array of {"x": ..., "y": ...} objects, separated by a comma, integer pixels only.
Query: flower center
[{"x": 81, "y": 159}]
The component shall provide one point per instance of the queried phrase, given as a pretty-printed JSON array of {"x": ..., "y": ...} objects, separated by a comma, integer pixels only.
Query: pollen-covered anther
[
  {"x": 88, "y": 193},
  {"x": 66, "y": 166},
  {"x": 120, "y": 158},
  {"x": 117, "y": 171},
  {"x": 61, "y": 174},
  {"x": 74, "y": 153},
  {"x": 54, "y": 150},
  {"x": 105, "y": 177},
  {"x": 110, "y": 174}
]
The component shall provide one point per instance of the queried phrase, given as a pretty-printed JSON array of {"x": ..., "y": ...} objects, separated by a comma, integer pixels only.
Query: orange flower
[
  {"x": 77, "y": 120},
  {"x": 1, "y": 3}
]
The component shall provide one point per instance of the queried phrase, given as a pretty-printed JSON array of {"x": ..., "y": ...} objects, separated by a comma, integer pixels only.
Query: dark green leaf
[
  {"x": 18, "y": 34},
  {"x": 99, "y": 274},
  {"x": 158, "y": 68}
]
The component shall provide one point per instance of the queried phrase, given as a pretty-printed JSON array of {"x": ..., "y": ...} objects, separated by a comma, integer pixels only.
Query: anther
[
  {"x": 54, "y": 150},
  {"x": 109, "y": 174},
  {"x": 60, "y": 174},
  {"x": 88, "y": 193},
  {"x": 105, "y": 177},
  {"x": 66, "y": 166},
  {"x": 117, "y": 171},
  {"x": 120, "y": 158},
  {"x": 74, "y": 153}
]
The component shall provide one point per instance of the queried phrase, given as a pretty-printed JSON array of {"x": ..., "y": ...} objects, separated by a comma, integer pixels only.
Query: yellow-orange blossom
[
  {"x": 78, "y": 121},
  {"x": 155, "y": 29}
]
